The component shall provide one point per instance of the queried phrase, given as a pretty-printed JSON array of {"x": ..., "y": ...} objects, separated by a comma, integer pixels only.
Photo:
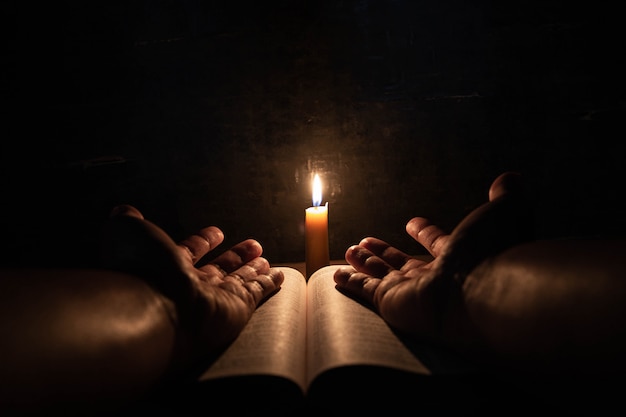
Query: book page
[
  {"x": 341, "y": 331},
  {"x": 273, "y": 341}
]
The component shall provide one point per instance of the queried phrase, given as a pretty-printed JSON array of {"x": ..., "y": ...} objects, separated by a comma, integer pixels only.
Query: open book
[
  {"x": 311, "y": 347},
  {"x": 310, "y": 350}
]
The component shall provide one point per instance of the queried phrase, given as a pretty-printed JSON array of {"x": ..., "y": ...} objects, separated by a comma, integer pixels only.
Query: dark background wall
[{"x": 218, "y": 112}]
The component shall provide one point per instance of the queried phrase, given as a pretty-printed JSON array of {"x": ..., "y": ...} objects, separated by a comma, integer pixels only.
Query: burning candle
[{"x": 316, "y": 231}]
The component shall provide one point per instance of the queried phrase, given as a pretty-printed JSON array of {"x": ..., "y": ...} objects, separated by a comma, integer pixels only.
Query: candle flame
[{"x": 317, "y": 191}]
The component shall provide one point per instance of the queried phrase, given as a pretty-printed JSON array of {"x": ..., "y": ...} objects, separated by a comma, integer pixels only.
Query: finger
[
  {"x": 214, "y": 274},
  {"x": 507, "y": 183},
  {"x": 254, "y": 281},
  {"x": 363, "y": 260},
  {"x": 199, "y": 244},
  {"x": 238, "y": 255},
  {"x": 357, "y": 284},
  {"x": 428, "y": 235},
  {"x": 394, "y": 257},
  {"x": 126, "y": 210},
  {"x": 262, "y": 285}
]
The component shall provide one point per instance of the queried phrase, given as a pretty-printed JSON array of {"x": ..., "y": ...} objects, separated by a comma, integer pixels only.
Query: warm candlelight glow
[{"x": 316, "y": 231}]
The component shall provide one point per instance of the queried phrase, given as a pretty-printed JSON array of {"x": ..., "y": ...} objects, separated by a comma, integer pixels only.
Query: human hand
[
  {"x": 415, "y": 296},
  {"x": 212, "y": 302}
]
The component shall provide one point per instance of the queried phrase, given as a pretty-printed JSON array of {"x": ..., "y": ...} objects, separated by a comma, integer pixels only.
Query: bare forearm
[
  {"x": 81, "y": 336},
  {"x": 550, "y": 305}
]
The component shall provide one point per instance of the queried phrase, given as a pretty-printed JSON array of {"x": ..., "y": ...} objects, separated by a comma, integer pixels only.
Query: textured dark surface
[{"x": 218, "y": 113}]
